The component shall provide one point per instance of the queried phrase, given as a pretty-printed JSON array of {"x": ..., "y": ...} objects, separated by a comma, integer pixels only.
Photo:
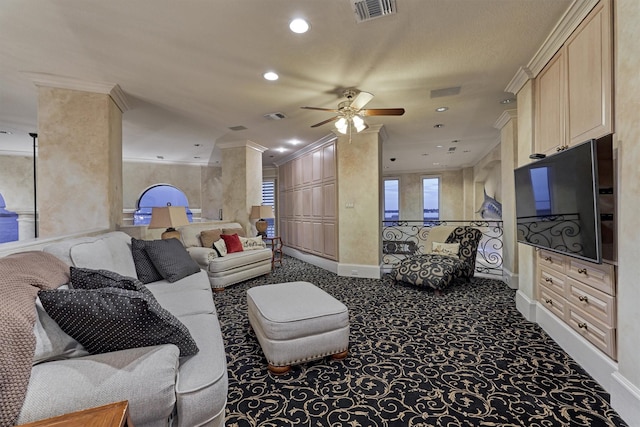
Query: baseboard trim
[
  {"x": 510, "y": 278},
  {"x": 359, "y": 270},
  {"x": 592, "y": 360},
  {"x": 323, "y": 263},
  {"x": 526, "y": 306},
  {"x": 625, "y": 399}
]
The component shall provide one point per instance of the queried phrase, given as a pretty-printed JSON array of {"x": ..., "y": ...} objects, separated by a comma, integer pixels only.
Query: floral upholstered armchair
[{"x": 447, "y": 261}]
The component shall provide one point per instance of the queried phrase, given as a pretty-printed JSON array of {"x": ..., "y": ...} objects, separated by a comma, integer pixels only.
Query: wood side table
[
  {"x": 276, "y": 249},
  {"x": 111, "y": 415}
]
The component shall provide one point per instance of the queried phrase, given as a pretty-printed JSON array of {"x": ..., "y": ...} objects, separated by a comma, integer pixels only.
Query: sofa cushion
[
  {"x": 171, "y": 259},
  {"x": 238, "y": 260},
  {"x": 232, "y": 242},
  {"x": 111, "y": 319},
  {"x": 191, "y": 295},
  {"x": 145, "y": 269},
  {"x": 207, "y": 237},
  {"x": 143, "y": 376},
  {"x": 92, "y": 255}
]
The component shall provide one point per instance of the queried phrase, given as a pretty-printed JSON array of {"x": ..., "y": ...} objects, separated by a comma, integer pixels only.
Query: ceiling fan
[{"x": 350, "y": 113}]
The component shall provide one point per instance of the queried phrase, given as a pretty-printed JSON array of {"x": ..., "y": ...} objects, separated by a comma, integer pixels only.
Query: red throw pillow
[{"x": 232, "y": 241}]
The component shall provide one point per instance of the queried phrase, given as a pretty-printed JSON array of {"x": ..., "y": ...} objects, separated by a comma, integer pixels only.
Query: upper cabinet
[{"x": 574, "y": 92}]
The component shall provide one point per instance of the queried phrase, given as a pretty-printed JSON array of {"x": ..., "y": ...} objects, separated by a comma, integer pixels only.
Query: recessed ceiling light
[
  {"x": 508, "y": 101},
  {"x": 439, "y": 125},
  {"x": 281, "y": 149},
  {"x": 455, "y": 140},
  {"x": 294, "y": 141},
  {"x": 196, "y": 157},
  {"x": 6, "y": 132},
  {"x": 299, "y": 26},
  {"x": 270, "y": 75},
  {"x": 436, "y": 163},
  {"x": 441, "y": 109},
  {"x": 197, "y": 145},
  {"x": 439, "y": 146}
]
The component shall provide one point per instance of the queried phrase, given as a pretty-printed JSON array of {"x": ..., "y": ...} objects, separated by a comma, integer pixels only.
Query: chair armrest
[{"x": 203, "y": 256}]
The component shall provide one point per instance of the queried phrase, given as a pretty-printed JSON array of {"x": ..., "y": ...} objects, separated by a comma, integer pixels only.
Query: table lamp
[
  {"x": 169, "y": 217},
  {"x": 260, "y": 213}
]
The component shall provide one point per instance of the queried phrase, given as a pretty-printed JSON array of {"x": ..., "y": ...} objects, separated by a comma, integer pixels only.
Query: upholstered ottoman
[{"x": 297, "y": 322}]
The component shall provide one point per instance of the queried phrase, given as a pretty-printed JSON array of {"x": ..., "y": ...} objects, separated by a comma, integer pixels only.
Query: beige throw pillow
[
  {"x": 221, "y": 247},
  {"x": 230, "y": 231},
  {"x": 207, "y": 237},
  {"x": 448, "y": 249}
]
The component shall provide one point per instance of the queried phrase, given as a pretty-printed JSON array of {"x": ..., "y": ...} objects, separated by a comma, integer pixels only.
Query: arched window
[{"x": 156, "y": 196}]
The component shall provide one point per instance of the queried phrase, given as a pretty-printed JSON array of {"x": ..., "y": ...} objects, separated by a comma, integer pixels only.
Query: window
[
  {"x": 269, "y": 199},
  {"x": 156, "y": 196},
  {"x": 430, "y": 199},
  {"x": 391, "y": 199}
]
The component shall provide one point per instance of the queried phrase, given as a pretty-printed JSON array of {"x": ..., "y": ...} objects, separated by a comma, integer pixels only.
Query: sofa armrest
[
  {"x": 144, "y": 376},
  {"x": 202, "y": 255}
]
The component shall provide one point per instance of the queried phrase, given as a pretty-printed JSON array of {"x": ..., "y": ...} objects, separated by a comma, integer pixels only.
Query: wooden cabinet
[
  {"x": 309, "y": 202},
  {"x": 574, "y": 92},
  {"x": 581, "y": 294}
]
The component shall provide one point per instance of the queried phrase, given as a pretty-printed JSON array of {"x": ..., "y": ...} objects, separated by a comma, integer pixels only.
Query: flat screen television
[{"x": 559, "y": 200}]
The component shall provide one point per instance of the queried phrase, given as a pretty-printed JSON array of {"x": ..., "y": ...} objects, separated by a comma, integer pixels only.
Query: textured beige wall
[
  {"x": 79, "y": 161},
  {"x": 211, "y": 187},
  {"x": 241, "y": 183},
  {"x": 627, "y": 108},
  {"x": 452, "y": 199},
  {"x": 359, "y": 181},
  {"x": 508, "y": 148},
  {"x": 16, "y": 182}
]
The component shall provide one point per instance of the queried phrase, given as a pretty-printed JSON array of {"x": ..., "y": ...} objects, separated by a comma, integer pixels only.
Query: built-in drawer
[
  {"x": 599, "y": 276},
  {"x": 552, "y": 260},
  {"x": 590, "y": 300},
  {"x": 553, "y": 302},
  {"x": 594, "y": 331},
  {"x": 552, "y": 279}
]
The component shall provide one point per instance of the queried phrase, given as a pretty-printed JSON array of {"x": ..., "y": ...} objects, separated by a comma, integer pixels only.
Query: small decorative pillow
[
  {"x": 230, "y": 231},
  {"x": 207, "y": 237},
  {"x": 171, "y": 259},
  {"x": 232, "y": 242},
  {"x": 448, "y": 249},
  {"x": 252, "y": 243},
  {"x": 220, "y": 247},
  {"x": 145, "y": 269}
]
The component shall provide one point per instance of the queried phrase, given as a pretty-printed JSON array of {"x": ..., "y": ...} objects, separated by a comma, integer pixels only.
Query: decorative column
[
  {"x": 79, "y": 179},
  {"x": 360, "y": 202},
  {"x": 507, "y": 123},
  {"x": 241, "y": 180}
]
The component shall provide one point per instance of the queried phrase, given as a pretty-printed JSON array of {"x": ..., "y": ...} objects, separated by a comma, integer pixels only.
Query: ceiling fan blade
[
  {"x": 361, "y": 100},
  {"x": 332, "y": 119},
  {"x": 333, "y": 110},
  {"x": 382, "y": 112}
]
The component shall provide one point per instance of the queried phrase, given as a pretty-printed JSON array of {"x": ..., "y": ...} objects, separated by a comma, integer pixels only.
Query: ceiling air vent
[
  {"x": 275, "y": 116},
  {"x": 367, "y": 10},
  {"x": 448, "y": 91},
  {"x": 237, "y": 128}
]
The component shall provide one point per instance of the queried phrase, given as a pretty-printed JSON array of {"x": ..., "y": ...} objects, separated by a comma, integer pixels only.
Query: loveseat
[
  {"x": 223, "y": 267},
  {"x": 181, "y": 384}
]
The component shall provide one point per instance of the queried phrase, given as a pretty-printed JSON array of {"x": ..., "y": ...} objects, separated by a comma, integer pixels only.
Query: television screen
[{"x": 557, "y": 203}]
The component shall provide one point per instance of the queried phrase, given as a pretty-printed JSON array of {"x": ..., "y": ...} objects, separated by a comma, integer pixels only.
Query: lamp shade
[
  {"x": 261, "y": 212},
  {"x": 168, "y": 217}
]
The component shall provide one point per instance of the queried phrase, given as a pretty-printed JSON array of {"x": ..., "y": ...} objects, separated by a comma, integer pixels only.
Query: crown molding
[
  {"x": 574, "y": 15},
  {"x": 62, "y": 82},
  {"x": 246, "y": 143},
  {"x": 505, "y": 117}
]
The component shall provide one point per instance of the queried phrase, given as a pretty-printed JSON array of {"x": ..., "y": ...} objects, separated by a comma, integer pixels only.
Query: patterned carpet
[{"x": 467, "y": 358}]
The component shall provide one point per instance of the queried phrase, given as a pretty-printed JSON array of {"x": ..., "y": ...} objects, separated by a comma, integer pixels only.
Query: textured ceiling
[{"x": 191, "y": 69}]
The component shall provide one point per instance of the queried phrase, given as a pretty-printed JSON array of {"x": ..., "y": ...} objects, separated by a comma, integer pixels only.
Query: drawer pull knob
[
  {"x": 547, "y": 258},
  {"x": 582, "y": 325},
  {"x": 548, "y": 301},
  {"x": 583, "y": 298},
  {"x": 548, "y": 279},
  {"x": 582, "y": 271}
]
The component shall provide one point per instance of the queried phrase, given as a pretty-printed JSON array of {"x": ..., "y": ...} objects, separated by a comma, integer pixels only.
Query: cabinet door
[
  {"x": 550, "y": 110},
  {"x": 589, "y": 73}
]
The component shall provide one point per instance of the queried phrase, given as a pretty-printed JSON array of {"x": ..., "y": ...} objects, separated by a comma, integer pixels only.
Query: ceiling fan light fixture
[
  {"x": 342, "y": 125},
  {"x": 359, "y": 124}
]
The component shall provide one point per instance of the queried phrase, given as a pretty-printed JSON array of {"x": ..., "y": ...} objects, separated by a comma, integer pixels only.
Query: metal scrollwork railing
[{"x": 405, "y": 238}]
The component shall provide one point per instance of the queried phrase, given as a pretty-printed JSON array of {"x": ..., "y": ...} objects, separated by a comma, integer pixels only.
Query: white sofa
[
  {"x": 231, "y": 268},
  {"x": 162, "y": 388}
]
